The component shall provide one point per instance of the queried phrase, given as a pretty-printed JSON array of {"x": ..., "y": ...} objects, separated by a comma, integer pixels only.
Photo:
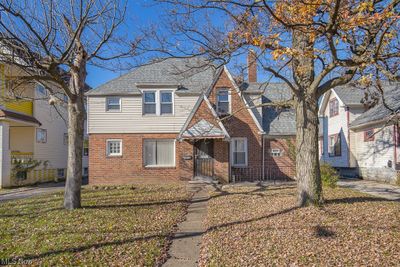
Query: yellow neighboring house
[{"x": 33, "y": 136}]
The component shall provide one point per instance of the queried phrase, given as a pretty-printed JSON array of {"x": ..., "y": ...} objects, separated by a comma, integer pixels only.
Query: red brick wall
[
  {"x": 129, "y": 167},
  {"x": 282, "y": 165}
]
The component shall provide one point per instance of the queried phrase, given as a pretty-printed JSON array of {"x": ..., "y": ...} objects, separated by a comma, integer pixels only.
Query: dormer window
[
  {"x": 166, "y": 102},
  {"x": 223, "y": 102},
  {"x": 158, "y": 102},
  {"x": 149, "y": 102}
]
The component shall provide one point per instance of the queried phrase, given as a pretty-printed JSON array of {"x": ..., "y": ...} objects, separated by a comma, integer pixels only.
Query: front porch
[{"x": 17, "y": 152}]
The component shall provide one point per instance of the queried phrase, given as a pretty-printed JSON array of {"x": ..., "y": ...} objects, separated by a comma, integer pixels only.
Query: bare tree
[
  {"x": 311, "y": 46},
  {"x": 52, "y": 42}
]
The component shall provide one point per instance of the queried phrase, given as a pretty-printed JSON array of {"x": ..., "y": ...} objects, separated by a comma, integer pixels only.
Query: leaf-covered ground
[
  {"x": 263, "y": 227},
  {"x": 119, "y": 226}
]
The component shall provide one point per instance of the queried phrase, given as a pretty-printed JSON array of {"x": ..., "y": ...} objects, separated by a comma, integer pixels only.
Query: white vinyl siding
[
  {"x": 131, "y": 119},
  {"x": 159, "y": 153},
  {"x": 239, "y": 152}
]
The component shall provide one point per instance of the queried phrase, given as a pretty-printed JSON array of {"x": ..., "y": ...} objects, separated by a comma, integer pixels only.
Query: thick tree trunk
[
  {"x": 76, "y": 120},
  {"x": 307, "y": 155},
  {"x": 76, "y": 111}
]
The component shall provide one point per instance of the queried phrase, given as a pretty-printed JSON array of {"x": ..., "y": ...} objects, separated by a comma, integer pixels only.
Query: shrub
[{"x": 329, "y": 175}]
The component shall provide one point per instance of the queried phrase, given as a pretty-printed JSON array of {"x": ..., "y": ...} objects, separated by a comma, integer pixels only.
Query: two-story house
[
  {"x": 181, "y": 119},
  {"x": 351, "y": 141},
  {"x": 31, "y": 132}
]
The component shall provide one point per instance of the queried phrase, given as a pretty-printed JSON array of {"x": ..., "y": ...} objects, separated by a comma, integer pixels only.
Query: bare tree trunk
[
  {"x": 76, "y": 111},
  {"x": 76, "y": 120},
  {"x": 307, "y": 157},
  {"x": 307, "y": 160}
]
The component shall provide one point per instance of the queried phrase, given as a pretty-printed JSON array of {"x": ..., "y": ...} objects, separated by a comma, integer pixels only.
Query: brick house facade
[{"x": 228, "y": 147}]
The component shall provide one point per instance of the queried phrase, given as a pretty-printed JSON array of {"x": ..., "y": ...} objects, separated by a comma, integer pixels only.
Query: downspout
[
  {"x": 263, "y": 155},
  {"x": 395, "y": 133},
  {"x": 348, "y": 136}
]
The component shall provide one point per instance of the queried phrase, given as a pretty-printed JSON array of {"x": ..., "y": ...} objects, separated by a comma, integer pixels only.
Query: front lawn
[
  {"x": 258, "y": 226},
  {"x": 119, "y": 226}
]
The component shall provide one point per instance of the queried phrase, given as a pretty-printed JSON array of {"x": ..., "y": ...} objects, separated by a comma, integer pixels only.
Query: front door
[{"x": 204, "y": 158}]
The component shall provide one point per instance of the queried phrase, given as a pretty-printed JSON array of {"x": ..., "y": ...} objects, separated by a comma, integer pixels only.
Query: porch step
[{"x": 203, "y": 180}]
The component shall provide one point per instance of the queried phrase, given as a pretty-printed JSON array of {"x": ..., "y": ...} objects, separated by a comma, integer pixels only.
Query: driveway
[
  {"x": 382, "y": 190},
  {"x": 30, "y": 191}
]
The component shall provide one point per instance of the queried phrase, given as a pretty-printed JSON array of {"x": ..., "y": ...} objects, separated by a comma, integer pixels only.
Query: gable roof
[
  {"x": 191, "y": 115},
  {"x": 189, "y": 75},
  {"x": 380, "y": 112},
  {"x": 202, "y": 129},
  {"x": 278, "y": 121}
]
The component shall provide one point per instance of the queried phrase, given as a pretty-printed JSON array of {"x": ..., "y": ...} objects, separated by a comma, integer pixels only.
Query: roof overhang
[{"x": 7, "y": 115}]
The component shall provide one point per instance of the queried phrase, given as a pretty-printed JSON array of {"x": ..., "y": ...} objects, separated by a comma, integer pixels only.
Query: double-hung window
[
  {"x": 113, "y": 103},
  {"x": 150, "y": 102},
  {"x": 158, "y": 102},
  {"x": 239, "y": 151},
  {"x": 166, "y": 102},
  {"x": 114, "y": 147},
  {"x": 223, "y": 103},
  {"x": 333, "y": 107},
  {"x": 335, "y": 145},
  {"x": 159, "y": 153}
]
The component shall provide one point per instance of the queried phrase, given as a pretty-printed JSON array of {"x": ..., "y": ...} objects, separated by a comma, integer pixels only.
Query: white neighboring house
[
  {"x": 31, "y": 129},
  {"x": 346, "y": 125}
]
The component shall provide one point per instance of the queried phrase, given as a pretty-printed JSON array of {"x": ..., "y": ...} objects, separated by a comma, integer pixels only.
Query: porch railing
[{"x": 253, "y": 174}]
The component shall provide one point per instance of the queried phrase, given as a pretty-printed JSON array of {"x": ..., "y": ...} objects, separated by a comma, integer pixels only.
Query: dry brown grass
[{"x": 258, "y": 226}]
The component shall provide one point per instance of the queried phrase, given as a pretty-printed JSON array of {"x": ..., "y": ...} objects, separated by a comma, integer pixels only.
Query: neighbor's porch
[{"x": 17, "y": 151}]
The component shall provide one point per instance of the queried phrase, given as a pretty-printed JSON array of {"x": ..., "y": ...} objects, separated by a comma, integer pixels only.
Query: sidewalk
[
  {"x": 382, "y": 190},
  {"x": 185, "y": 247}
]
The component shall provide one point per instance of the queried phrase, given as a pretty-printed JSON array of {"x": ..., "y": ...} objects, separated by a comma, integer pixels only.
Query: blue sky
[{"x": 140, "y": 12}]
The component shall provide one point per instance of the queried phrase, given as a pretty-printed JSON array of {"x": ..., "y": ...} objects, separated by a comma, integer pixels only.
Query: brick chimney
[{"x": 252, "y": 66}]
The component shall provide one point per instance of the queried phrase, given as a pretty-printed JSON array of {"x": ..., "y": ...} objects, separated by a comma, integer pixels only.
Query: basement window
[{"x": 276, "y": 152}]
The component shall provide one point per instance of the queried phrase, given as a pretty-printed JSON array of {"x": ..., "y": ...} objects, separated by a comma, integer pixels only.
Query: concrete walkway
[
  {"x": 30, "y": 191},
  {"x": 382, "y": 190},
  {"x": 185, "y": 247}
]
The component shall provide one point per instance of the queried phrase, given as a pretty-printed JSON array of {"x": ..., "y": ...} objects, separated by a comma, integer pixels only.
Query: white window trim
[
  {"x": 229, "y": 101},
  {"x": 245, "y": 149},
  {"x": 114, "y": 110},
  {"x": 114, "y": 154},
  {"x": 158, "y": 102},
  {"x": 159, "y": 166}
]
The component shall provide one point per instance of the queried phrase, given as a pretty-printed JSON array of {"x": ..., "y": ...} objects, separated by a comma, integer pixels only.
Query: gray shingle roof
[
  {"x": 351, "y": 95},
  {"x": 278, "y": 121},
  {"x": 380, "y": 112},
  {"x": 203, "y": 129},
  {"x": 192, "y": 75}
]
